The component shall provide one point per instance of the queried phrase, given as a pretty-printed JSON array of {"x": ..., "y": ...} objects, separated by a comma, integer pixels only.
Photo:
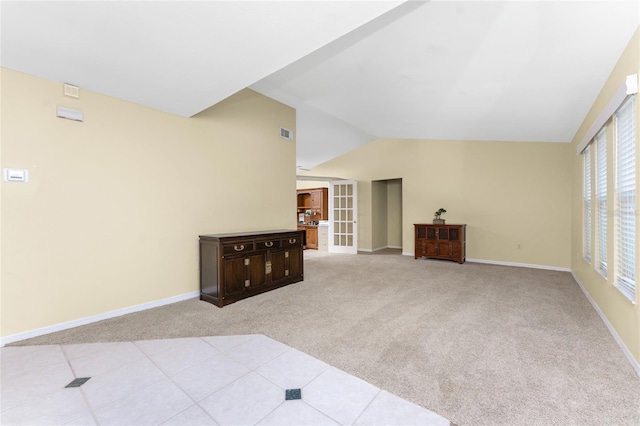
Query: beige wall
[
  {"x": 394, "y": 213},
  {"x": 620, "y": 312},
  {"x": 310, "y": 184},
  {"x": 112, "y": 214},
  {"x": 514, "y": 197},
  {"x": 379, "y": 217}
]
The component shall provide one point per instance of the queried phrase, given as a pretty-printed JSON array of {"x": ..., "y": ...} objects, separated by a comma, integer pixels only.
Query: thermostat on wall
[{"x": 15, "y": 175}]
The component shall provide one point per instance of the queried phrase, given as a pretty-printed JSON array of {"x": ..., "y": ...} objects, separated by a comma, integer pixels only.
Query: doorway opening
[{"x": 386, "y": 215}]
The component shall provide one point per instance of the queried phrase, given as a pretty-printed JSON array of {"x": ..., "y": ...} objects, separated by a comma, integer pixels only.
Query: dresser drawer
[
  {"x": 292, "y": 241},
  {"x": 237, "y": 247},
  {"x": 269, "y": 244}
]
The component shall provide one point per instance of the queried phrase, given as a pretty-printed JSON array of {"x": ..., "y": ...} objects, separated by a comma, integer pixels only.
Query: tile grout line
[
  {"x": 168, "y": 377},
  {"x": 250, "y": 370},
  {"x": 93, "y": 410},
  {"x": 368, "y": 405},
  {"x": 84, "y": 395}
]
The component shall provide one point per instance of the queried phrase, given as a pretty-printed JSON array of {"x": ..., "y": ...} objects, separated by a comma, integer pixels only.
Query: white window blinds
[
  {"x": 625, "y": 199},
  {"x": 601, "y": 202},
  {"x": 586, "y": 203}
]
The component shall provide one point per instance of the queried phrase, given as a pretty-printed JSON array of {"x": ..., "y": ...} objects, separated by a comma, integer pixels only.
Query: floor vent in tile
[
  {"x": 290, "y": 394},
  {"x": 76, "y": 383}
]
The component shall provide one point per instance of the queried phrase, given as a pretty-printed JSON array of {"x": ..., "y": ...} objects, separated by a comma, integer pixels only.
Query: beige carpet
[{"x": 478, "y": 344}]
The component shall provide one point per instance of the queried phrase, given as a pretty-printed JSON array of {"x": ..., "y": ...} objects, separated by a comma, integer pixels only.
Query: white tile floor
[{"x": 226, "y": 380}]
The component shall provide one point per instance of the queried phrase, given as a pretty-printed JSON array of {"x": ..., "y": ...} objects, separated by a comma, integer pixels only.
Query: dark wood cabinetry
[
  {"x": 239, "y": 265},
  {"x": 440, "y": 242}
]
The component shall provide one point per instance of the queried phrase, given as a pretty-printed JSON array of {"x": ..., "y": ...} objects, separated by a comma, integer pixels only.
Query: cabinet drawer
[
  {"x": 267, "y": 245},
  {"x": 293, "y": 241},
  {"x": 237, "y": 247}
]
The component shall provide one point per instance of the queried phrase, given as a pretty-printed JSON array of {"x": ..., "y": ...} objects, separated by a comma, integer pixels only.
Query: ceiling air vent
[{"x": 286, "y": 133}]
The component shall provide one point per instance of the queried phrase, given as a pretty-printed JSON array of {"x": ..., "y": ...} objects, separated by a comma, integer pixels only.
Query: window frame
[
  {"x": 600, "y": 203},
  {"x": 625, "y": 192},
  {"x": 586, "y": 204}
]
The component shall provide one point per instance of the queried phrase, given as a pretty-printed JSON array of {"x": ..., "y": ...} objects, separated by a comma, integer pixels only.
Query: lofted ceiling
[{"x": 354, "y": 70}]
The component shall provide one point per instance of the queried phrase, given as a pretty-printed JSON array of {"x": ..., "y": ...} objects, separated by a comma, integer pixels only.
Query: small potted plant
[{"x": 436, "y": 219}]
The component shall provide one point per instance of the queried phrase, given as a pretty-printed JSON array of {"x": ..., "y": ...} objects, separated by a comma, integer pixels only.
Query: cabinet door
[
  {"x": 316, "y": 200},
  {"x": 454, "y": 234},
  {"x": 432, "y": 233},
  {"x": 312, "y": 238},
  {"x": 456, "y": 250},
  {"x": 445, "y": 249},
  {"x": 431, "y": 248},
  {"x": 286, "y": 264},
  {"x": 441, "y": 249},
  {"x": 278, "y": 266},
  {"x": 257, "y": 270},
  {"x": 421, "y": 248},
  {"x": 234, "y": 275},
  {"x": 295, "y": 262}
]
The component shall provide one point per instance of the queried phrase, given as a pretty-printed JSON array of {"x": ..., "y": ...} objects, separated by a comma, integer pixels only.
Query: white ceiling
[{"x": 504, "y": 70}]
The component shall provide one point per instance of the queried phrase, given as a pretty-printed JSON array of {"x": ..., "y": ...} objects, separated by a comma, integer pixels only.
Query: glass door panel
[{"x": 342, "y": 223}]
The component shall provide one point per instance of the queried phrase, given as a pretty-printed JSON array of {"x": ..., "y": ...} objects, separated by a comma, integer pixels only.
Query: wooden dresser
[
  {"x": 239, "y": 265},
  {"x": 440, "y": 241}
]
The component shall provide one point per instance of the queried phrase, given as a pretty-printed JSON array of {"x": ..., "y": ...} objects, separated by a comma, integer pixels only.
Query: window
[
  {"x": 625, "y": 199},
  {"x": 586, "y": 203},
  {"x": 601, "y": 202}
]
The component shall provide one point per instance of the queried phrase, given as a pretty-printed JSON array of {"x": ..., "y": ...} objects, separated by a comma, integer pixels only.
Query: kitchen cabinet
[
  {"x": 239, "y": 265},
  {"x": 320, "y": 203},
  {"x": 440, "y": 242},
  {"x": 315, "y": 201},
  {"x": 313, "y": 206},
  {"x": 311, "y": 236}
]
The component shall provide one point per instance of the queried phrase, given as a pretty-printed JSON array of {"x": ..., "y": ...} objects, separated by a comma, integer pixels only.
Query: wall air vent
[
  {"x": 286, "y": 133},
  {"x": 71, "y": 91}
]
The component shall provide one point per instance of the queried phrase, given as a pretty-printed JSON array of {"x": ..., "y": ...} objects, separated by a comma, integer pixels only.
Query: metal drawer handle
[
  {"x": 238, "y": 248},
  {"x": 269, "y": 244},
  {"x": 292, "y": 240}
]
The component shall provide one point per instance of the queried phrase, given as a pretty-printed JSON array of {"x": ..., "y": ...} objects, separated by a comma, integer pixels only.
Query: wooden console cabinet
[
  {"x": 440, "y": 242},
  {"x": 239, "y": 265}
]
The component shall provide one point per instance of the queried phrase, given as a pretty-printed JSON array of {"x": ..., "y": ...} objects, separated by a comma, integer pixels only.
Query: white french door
[{"x": 343, "y": 227}]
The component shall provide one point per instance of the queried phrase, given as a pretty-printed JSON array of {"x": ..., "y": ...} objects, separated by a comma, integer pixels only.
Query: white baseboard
[
  {"x": 519, "y": 265},
  {"x": 379, "y": 248},
  {"x": 634, "y": 362},
  {"x": 94, "y": 318}
]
